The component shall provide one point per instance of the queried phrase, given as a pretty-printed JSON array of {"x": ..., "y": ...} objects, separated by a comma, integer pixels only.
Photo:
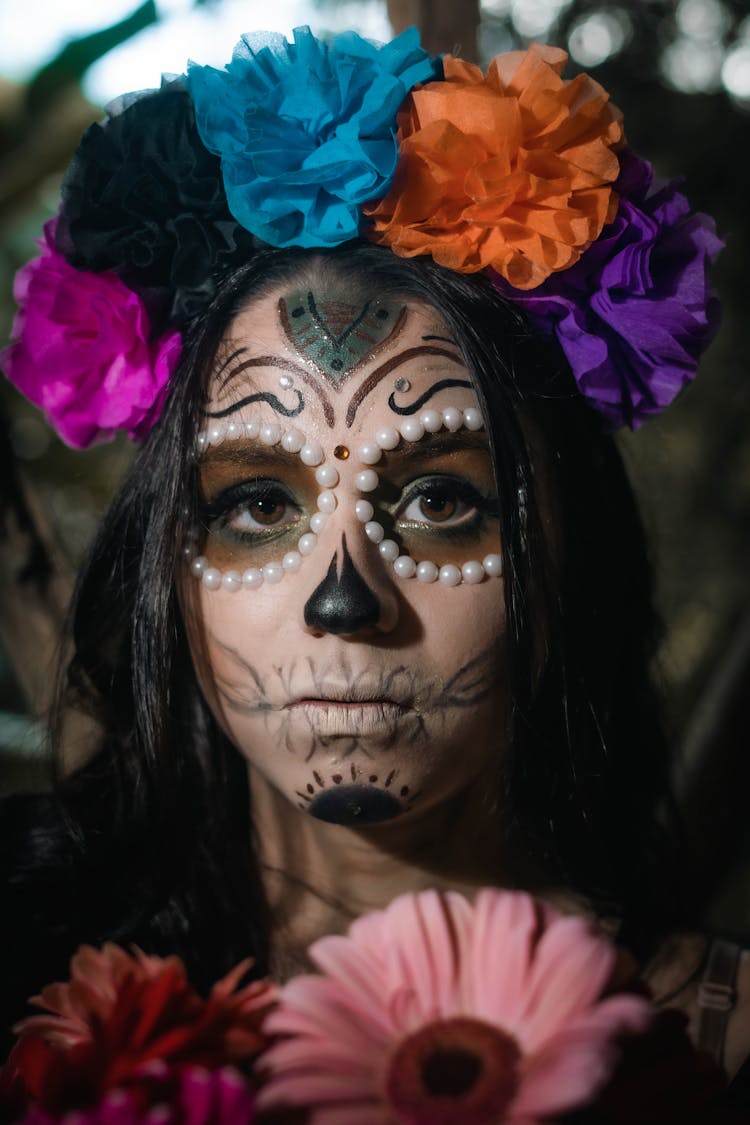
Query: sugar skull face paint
[{"x": 361, "y": 695}]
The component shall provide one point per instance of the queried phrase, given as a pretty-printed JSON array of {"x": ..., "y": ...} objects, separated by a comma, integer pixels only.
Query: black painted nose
[{"x": 342, "y": 603}]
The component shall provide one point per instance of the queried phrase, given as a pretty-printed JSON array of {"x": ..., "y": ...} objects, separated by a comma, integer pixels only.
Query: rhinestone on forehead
[{"x": 327, "y": 476}]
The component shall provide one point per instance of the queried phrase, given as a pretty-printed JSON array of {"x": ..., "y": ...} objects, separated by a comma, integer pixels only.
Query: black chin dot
[{"x": 355, "y": 804}]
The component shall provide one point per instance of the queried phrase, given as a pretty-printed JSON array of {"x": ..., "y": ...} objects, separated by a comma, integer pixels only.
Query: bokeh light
[
  {"x": 596, "y": 37},
  {"x": 534, "y": 18},
  {"x": 703, "y": 20},
  {"x": 693, "y": 67},
  {"x": 735, "y": 74}
]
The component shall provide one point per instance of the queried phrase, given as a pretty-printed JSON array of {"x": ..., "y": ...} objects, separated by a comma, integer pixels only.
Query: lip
[{"x": 347, "y": 716}]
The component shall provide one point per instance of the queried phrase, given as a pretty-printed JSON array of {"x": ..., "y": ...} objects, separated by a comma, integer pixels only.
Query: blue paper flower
[{"x": 306, "y": 131}]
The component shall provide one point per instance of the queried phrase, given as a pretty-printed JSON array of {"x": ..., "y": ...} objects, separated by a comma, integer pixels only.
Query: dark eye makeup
[
  {"x": 445, "y": 505},
  {"x": 252, "y": 511}
]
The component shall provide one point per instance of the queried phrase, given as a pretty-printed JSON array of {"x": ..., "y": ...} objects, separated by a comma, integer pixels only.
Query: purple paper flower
[
  {"x": 634, "y": 315},
  {"x": 82, "y": 350}
]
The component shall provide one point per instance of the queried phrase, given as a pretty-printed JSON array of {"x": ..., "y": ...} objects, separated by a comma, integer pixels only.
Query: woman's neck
[{"x": 319, "y": 876}]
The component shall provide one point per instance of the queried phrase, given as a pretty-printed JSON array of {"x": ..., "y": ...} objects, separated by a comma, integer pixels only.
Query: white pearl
[
  {"x": 307, "y": 543},
  {"x": 201, "y": 442},
  {"x": 318, "y": 522},
  {"x": 211, "y": 578},
  {"x": 188, "y": 552},
  {"x": 472, "y": 572},
  {"x": 453, "y": 419},
  {"x": 292, "y": 560},
  {"x": 405, "y": 566},
  {"x": 286, "y": 382},
  {"x": 412, "y": 430},
  {"x": 449, "y": 575},
  {"x": 369, "y": 453},
  {"x": 273, "y": 572},
  {"x": 427, "y": 572},
  {"x": 493, "y": 565},
  {"x": 387, "y": 438},
  {"x": 231, "y": 580},
  {"x": 292, "y": 441},
  {"x": 252, "y": 428},
  {"x": 374, "y": 531},
  {"x": 364, "y": 510},
  {"x": 389, "y": 550},
  {"x": 311, "y": 453},
  {"x": 327, "y": 501},
  {"x": 326, "y": 476},
  {"x": 233, "y": 430},
  {"x": 198, "y": 565},
  {"x": 252, "y": 578},
  {"x": 367, "y": 480},
  {"x": 270, "y": 433},
  {"x": 431, "y": 420},
  {"x": 473, "y": 419},
  {"x": 215, "y": 433}
]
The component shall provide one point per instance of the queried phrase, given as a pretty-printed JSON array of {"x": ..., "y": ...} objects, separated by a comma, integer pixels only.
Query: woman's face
[{"x": 358, "y": 693}]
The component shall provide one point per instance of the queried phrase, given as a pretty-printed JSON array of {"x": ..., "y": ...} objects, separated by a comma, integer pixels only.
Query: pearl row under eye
[
  {"x": 327, "y": 476},
  {"x": 311, "y": 454},
  {"x": 387, "y": 439}
]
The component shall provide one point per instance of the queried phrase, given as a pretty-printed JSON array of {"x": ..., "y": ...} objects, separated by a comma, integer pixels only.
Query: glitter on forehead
[{"x": 336, "y": 334}]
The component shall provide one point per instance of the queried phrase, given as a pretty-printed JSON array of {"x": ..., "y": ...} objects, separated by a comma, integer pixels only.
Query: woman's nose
[{"x": 350, "y": 600}]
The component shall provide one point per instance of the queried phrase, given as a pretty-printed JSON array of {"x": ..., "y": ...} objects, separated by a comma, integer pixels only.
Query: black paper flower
[{"x": 143, "y": 197}]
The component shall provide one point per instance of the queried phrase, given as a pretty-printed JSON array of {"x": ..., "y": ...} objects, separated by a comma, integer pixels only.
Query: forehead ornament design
[
  {"x": 336, "y": 335},
  {"x": 327, "y": 476}
]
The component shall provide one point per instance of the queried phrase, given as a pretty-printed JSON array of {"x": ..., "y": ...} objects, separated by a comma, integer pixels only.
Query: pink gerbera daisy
[{"x": 436, "y": 1011}]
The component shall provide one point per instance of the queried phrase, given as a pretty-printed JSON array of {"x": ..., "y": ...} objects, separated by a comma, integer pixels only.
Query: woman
[{"x": 371, "y": 611}]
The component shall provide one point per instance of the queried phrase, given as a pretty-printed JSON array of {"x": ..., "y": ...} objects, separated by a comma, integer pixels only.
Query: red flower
[{"x": 119, "y": 1014}]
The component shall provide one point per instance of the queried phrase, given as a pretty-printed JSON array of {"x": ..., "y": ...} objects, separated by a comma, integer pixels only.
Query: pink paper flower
[
  {"x": 437, "y": 1011},
  {"x": 82, "y": 350}
]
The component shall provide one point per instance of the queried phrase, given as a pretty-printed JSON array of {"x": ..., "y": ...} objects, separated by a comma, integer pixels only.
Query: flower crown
[{"x": 519, "y": 172}]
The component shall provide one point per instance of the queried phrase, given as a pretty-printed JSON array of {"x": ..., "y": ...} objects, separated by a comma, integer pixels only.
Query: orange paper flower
[{"x": 513, "y": 171}]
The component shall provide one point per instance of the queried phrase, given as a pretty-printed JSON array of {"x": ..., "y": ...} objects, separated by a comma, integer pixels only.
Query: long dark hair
[{"x": 156, "y": 843}]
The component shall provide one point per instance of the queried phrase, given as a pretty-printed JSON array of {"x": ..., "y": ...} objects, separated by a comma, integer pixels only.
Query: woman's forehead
[{"x": 335, "y": 356}]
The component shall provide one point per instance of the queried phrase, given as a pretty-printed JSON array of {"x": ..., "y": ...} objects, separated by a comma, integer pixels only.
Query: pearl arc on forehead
[{"x": 311, "y": 453}]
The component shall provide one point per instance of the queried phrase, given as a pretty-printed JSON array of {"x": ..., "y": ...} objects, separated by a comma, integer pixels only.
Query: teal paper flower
[{"x": 306, "y": 131}]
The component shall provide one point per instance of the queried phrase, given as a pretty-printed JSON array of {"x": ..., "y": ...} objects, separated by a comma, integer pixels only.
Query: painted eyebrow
[
  {"x": 240, "y": 452},
  {"x": 437, "y": 445}
]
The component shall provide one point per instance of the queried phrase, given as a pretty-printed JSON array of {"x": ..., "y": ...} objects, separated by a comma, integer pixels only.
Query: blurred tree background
[{"x": 681, "y": 70}]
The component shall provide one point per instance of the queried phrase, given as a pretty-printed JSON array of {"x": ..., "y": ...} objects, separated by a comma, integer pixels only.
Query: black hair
[{"x": 156, "y": 843}]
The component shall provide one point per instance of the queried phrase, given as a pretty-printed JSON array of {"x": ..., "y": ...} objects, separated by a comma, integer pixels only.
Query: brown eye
[
  {"x": 438, "y": 507},
  {"x": 266, "y": 511},
  {"x": 253, "y": 508},
  {"x": 444, "y": 504}
]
